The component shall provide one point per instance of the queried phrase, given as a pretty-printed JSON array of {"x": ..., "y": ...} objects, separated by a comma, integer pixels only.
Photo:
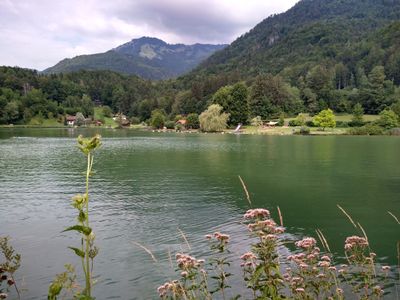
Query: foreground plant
[
  {"x": 307, "y": 272},
  {"x": 8, "y": 268},
  {"x": 87, "y": 250}
]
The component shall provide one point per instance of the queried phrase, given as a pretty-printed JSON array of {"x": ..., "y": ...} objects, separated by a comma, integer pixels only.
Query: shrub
[
  {"x": 281, "y": 120},
  {"x": 170, "y": 124},
  {"x": 325, "y": 119},
  {"x": 107, "y": 112},
  {"x": 369, "y": 129},
  {"x": 193, "y": 121},
  {"x": 304, "y": 130},
  {"x": 358, "y": 113},
  {"x": 388, "y": 119},
  {"x": 256, "y": 121},
  {"x": 310, "y": 124},
  {"x": 213, "y": 120},
  {"x": 134, "y": 120},
  {"x": 342, "y": 124},
  {"x": 157, "y": 118}
]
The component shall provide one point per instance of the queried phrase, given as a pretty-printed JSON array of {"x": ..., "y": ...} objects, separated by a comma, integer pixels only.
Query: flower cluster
[
  {"x": 221, "y": 237},
  {"x": 354, "y": 241},
  {"x": 186, "y": 262},
  {"x": 257, "y": 213},
  {"x": 306, "y": 243},
  {"x": 173, "y": 287}
]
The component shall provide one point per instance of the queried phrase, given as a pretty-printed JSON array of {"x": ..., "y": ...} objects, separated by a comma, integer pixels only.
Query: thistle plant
[
  {"x": 307, "y": 272},
  {"x": 261, "y": 267},
  {"x": 87, "y": 251},
  {"x": 192, "y": 284},
  {"x": 8, "y": 268},
  {"x": 219, "y": 244}
]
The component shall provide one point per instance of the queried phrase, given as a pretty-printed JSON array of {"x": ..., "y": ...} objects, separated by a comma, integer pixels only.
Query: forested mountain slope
[{"x": 146, "y": 57}]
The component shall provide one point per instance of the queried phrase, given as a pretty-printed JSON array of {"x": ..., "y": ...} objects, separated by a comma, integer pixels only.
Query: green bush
[
  {"x": 369, "y": 129},
  {"x": 193, "y": 121},
  {"x": 325, "y": 119},
  {"x": 134, "y": 120},
  {"x": 157, "y": 118},
  {"x": 304, "y": 131},
  {"x": 299, "y": 121},
  {"x": 342, "y": 124},
  {"x": 170, "y": 124},
  {"x": 310, "y": 124},
  {"x": 388, "y": 119}
]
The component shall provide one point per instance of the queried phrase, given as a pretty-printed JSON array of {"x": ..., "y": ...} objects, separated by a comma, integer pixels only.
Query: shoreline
[{"x": 249, "y": 130}]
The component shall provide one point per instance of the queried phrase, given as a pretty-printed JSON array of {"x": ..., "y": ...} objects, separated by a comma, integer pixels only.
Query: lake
[{"x": 147, "y": 186}]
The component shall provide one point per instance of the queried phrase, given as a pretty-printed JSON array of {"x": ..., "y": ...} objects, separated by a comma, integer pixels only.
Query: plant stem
[{"x": 88, "y": 273}]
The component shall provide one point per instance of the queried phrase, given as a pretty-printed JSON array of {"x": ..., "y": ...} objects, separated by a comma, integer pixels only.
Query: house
[
  {"x": 70, "y": 120},
  {"x": 182, "y": 122}
]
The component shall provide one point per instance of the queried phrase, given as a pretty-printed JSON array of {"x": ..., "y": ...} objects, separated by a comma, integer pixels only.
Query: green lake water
[{"x": 147, "y": 185}]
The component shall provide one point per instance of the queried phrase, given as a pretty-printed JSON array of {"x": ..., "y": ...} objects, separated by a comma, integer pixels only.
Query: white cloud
[{"x": 39, "y": 33}]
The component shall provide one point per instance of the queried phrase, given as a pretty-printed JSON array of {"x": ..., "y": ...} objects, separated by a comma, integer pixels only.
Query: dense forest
[{"x": 319, "y": 54}]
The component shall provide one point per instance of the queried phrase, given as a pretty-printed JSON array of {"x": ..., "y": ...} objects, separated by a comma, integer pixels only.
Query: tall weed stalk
[{"x": 87, "y": 251}]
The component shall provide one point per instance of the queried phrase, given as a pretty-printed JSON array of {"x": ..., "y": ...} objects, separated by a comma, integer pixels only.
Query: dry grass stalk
[
  {"x": 394, "y": 217},
  {"x": 245, "y": 190},
  {"x": 280, "y": 216},
  {"x": 170, "y": 258},
  {"x": 364, "y": 233},
  {"x": 325, "y": 242},
  {"x": 321, "y": 240},
  {"x": 347, "y": 215},
  {"x": 184, "y": 238},
  {"x": 147, "y": 250}
]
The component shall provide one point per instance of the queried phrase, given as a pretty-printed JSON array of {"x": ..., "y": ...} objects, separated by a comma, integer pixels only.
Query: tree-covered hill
[
  {"x": 320, "y": 54},
  {"x": 313, "y": 31},
  {"x": 148, "y": 58}
]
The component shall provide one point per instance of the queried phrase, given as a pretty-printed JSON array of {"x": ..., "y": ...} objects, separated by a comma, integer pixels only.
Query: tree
[
  {"x": 233, "y": 100},
  {"x": 157, "y": 118},
  {"x": 358, "y": 113},
  {"x": 79, "y": 119},
  {"x": 192, "y": 121},
  {"x": 325, "y": 119},
  {"x": 239, "y": 107},
  {"x": 388, "y": 119},
  {"x": 213, "y": 119}
]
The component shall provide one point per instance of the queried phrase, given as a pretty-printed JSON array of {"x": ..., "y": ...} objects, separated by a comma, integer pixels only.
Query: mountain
[
  {"x": 146, "y": 57},
  {"x": 311, "y": 32}
]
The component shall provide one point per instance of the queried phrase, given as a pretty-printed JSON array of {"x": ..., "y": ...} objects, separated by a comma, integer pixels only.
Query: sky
[{"x": 38, "y": 33}]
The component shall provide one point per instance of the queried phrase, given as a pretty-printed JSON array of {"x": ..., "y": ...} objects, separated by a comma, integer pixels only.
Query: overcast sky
[{"x": 39, "y": 33}]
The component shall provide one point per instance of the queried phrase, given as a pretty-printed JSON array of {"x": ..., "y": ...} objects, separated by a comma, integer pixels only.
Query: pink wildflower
[
  {"x": 257, "y": 213},
  {"x": 306, "y": 243}
]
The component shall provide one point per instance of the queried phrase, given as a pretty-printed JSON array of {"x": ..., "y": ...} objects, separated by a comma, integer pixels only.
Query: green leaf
[
  {"x": 82, "y": 229},
  {"x": 82, "y": 216},
  {"x": 54, "y": 290},
  {"x": 78, "y": 252}
]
